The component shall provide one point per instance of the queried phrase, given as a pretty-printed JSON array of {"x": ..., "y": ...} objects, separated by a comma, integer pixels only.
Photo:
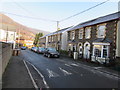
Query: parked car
[
  {"x": 41, "y": 50},
  {"x": 51, "y": 52},
  {"x": 34, "y": 49},
  {"x": 23, "y": 48}
]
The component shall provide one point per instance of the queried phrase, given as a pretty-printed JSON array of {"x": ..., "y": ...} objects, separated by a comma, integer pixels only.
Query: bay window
[{"x": 101, "y": 51}]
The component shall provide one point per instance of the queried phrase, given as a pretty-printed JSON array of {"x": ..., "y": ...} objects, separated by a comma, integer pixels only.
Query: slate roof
[
  {"x": 104, "y": 40},
  {"x": 57, "y": 32},
  {"x": 106, "y": 18}
]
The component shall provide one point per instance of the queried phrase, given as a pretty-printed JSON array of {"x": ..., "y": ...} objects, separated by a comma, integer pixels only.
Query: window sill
[{"x": 99, "y": 59}]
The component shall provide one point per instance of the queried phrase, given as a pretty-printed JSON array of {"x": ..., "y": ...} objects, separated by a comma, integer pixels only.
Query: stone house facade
[{"x": 96, "y": 40}]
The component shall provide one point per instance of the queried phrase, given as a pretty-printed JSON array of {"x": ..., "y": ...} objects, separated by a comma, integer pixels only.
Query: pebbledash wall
[
  {"x": 5, "y": 55},
  {"x": 112, "y": 37}
]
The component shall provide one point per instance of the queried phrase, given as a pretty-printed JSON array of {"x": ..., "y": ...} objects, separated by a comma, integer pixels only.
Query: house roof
[
  {"x": 104, "y": 40},
  {"x": 102, "y": 19},
  {"x": 57, "y": 32}
]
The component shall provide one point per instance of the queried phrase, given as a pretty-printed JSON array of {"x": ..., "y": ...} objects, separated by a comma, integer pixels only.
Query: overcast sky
[{"x": 56, "y": 11}]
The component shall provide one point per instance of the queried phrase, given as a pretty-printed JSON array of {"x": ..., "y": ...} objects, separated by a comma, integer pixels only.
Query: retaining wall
[{"x": 5, "y": 55}]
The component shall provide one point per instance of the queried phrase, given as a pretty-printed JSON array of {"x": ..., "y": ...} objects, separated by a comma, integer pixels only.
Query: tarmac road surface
[{"x": 63, "y": 73}]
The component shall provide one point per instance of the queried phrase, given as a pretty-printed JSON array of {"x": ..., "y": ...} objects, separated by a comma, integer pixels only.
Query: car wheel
[{"x": 49, "y": 55}]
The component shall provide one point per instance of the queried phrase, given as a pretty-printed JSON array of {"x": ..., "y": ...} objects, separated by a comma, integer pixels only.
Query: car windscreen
[
  {"x": 51, "y": 49},
  {"x": 41, "y": 48}
]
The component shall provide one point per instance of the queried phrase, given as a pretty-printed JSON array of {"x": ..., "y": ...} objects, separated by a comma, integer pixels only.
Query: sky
[{"x": 43, "y": 14}]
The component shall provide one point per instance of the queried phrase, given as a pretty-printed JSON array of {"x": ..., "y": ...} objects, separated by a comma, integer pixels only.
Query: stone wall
[{"x": 111, "y": 28}]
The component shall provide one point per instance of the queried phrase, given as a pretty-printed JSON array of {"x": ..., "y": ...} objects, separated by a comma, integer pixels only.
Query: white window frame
[
  {"x": 81, "y": 32},
  {"x": 72, "y": 35},
  {"x": 58, "y": 37},
  {"x": 49, "y": 38},
  {"x": 101, "y": 49},
  {"x": 98, "y": 31},
  {"x": 88, "y": 30},
  {"x": 52, "y": 38}
]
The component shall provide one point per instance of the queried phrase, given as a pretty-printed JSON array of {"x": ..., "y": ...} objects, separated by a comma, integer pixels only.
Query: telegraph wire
[
  {"x": 83, "y": 11},
  {"x": 22, "y": 7},
  {"x": 29, "y": 17}
]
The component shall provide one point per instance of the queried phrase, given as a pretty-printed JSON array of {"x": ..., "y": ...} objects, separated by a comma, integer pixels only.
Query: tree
[{"x": 37, "y": 36}]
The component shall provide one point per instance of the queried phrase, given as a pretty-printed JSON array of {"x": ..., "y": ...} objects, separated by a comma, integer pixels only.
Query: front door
[{"x": 87, "y": 51}]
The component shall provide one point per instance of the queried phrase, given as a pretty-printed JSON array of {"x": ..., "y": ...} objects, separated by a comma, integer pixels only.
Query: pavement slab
[{"x": 15, "y": 75}]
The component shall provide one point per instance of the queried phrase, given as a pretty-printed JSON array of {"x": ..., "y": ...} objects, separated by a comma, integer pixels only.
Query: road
[{"x": 64, "y": 73}]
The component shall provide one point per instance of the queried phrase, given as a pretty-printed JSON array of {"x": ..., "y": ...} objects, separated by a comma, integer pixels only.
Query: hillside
[{"x": 25, "y": 32}]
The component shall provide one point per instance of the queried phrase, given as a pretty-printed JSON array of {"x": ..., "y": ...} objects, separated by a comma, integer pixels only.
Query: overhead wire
[
  {"x": 26, "y": 10},
  {"x": 37, "y": 18},
  {"x": 84, "y": 11}
]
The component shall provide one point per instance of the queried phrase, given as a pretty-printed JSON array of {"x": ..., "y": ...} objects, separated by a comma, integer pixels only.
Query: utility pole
[
  {"x": 7, "y": 34},
  {"x": 19, "y": 37},
  {"x": 57, "y": 25},
  {"x": 14, "y": 39}
]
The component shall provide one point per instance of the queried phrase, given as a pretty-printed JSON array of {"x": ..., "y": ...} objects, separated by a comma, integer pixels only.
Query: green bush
[{"x": 64, "y": 52}]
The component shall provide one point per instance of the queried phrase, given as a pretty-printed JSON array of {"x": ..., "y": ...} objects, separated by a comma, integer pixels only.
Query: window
[
  {"x": 80, "y": 33},
  {"x": 73, "y": 35},
  {"x": 52, "y": 38},
  {"x": 105, "y": 48},
  {"x": 58, "y": 37},
  {"x": 97, "y": 50},
  {"x": 101, "y": 51},
  {"x": 87, "y": 33},
  {"x": 49, "y": 39},
  {"x": 101, "y": 31}
]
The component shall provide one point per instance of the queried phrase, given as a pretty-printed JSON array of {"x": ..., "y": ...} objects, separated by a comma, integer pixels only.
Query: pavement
[{"x": 16, "y": 75}]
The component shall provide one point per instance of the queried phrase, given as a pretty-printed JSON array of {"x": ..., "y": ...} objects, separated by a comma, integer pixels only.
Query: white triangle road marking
[
  {"x": 52, "y": 74},
  {"x": 65, "y": 72}
]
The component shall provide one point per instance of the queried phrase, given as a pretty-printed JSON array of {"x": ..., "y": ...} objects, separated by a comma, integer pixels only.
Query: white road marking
[
  {"x": 68, "y": 65},
  {"x": 46, "y": 85},
  {"x": 81, "y": 75},
  {"x": 65, "y": 72},
  {"x": 52, "y": 74},
  {"x": 74, "y": 64},
  {"x": 34, "y": 84},
  {"x": 97, "y": 67}
]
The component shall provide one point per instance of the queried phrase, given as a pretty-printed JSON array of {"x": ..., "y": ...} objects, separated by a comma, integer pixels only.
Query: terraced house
[
  {"x": 97, "y": 40},
  {"x": 43, "y": 41},
  {"x": 56, "y": 40}
]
